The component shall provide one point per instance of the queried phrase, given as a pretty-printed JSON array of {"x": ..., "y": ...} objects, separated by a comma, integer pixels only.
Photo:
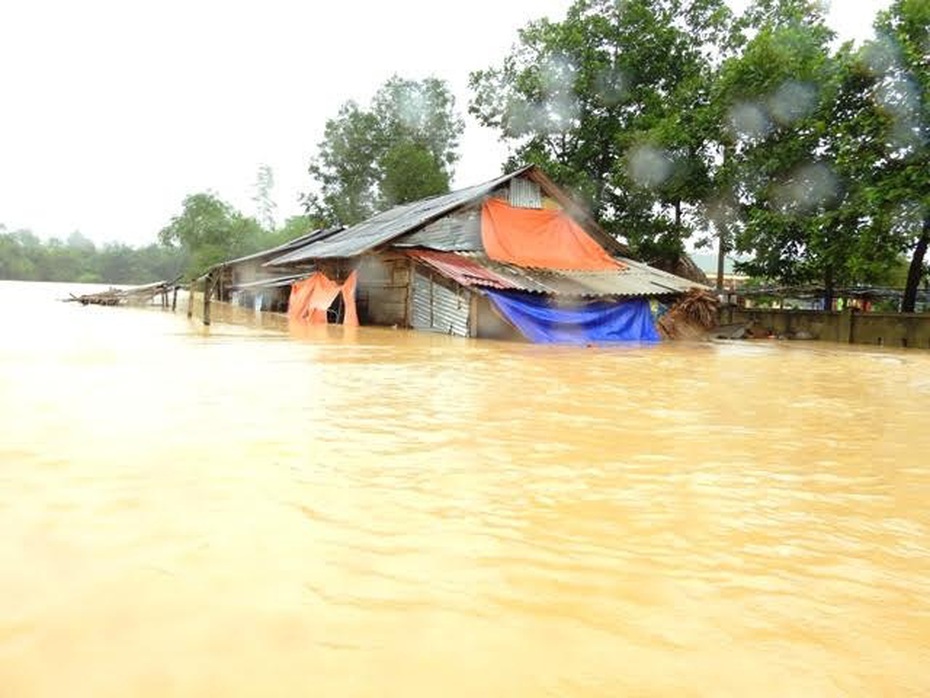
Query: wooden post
[
  {"x": 408, "y": 294},
  {"x": 207, "y": 292},
  {"x": 174, "y": 299},
  {"x": 190, "y": 299}
]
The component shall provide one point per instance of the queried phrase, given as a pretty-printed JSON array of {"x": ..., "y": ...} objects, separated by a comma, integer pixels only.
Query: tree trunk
[
  {"x": 916, "y": 270},
  {"x": 721, "y": 253},
  {"x": 722, "y": 231},
  {"x": 828, "y": 289}
]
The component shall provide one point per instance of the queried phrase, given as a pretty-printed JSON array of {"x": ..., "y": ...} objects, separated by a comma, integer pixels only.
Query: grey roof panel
[
  {"x": 313, "y": 235},
  {"x": 636, "y": 280},
  {"x": 660, "y": 278},
  {"x": 457, "y": 232},
  {"x": 389, "y": 224},
  {"x": 269, "y": 283}
]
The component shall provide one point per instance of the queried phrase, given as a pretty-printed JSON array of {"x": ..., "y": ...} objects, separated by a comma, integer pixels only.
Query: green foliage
[
  {"x": 900, "y": 59},
  {"x": 831, "y": 172},
  {"x": 614, "y": 102},
  {"x": 776, "y": 97},
  {"x": 23, "y": 256},
  {"x": 209, "y": 231},
  {"x": 293, "y": 228},
  {"x": 670, "y": 117},
  {"x": 206, "y": 232},
  {"x": 403, "y": 147}
]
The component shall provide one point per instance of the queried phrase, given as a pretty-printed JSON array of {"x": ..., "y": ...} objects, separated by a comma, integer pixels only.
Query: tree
[
  {"x": 264, "y": 203},
  {"x": 825, "y": 153},
  {"x": 18, "y": 252},
  {"x": 401, "y": 148},
  {"x": 210, "y": 231},
  {"x": 855, "y": 241},
  {"x": 614, "y": 102},
  {"x": 293, "y": 228},
  {"x": 901, "y": 59},
  {"x": 775, "y": 97},
  {"x": 24, "y": 256}
]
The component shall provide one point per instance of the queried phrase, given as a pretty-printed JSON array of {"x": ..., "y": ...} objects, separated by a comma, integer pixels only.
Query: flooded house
[
  {"x": 251, "y": 281},
  {"x": 512, "y": 258}
]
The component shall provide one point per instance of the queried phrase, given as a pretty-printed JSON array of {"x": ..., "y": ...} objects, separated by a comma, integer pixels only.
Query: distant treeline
[{"x": 25, "y": 257}]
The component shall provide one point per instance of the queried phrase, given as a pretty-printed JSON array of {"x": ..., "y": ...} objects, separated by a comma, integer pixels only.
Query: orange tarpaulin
[
  {"x": 544, "y": 239},
  {"x": 311, "y": 298},
  {"x": 350, "y": 318}
]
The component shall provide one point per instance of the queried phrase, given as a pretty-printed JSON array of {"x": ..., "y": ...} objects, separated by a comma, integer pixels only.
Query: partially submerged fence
[{"x": 847, "y": 326}]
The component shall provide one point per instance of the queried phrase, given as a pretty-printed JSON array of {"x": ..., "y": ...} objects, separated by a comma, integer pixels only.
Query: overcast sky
[{"x": 112, "y": 111}]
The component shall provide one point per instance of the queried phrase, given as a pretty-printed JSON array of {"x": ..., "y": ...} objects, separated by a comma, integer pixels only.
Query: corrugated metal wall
[
  {"x": 439, "y": 309},
  {"x": 460, "y": 231},
  {"x": 525, "y": 193}
]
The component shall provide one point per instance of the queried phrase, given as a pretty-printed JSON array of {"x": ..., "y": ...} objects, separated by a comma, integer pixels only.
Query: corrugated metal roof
[
  {"x": 477, "y": 270},
  {"x": 269, "y": 283},
  {"x": 463, "y": 270},
  {"x": 390, "y": 224},
  {"x": 307, "y": 238},
  {"x": 459, "y": 231},
  {"x": 677, "y": 284}
]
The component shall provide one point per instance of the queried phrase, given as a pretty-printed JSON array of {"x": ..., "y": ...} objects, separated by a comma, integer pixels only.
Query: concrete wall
[{"x": 887, "y": 329}]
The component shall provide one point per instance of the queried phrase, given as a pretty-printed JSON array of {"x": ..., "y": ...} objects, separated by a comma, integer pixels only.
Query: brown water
[{"x": 240, "y": 512}]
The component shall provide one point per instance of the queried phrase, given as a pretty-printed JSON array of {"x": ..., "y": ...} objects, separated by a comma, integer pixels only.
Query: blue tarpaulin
[{"x": 588, "y": 322}]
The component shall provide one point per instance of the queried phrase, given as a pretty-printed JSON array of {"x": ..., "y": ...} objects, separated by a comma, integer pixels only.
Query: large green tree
[
  {"x": 209, "y": 230},
  {"x": 774, "y": 98},
  {"x": 400, "y": 148},
  {"x": 900, "y": 57},
  {"x": 829, "y": 161},
  {"x": 614, "y": 101}
]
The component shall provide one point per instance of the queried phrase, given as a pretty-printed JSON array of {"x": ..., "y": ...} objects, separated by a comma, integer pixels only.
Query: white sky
[{"x": 112, "y": 111}]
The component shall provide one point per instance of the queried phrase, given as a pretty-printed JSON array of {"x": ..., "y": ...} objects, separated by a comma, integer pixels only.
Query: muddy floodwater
[{"x": 244, "y": 511}]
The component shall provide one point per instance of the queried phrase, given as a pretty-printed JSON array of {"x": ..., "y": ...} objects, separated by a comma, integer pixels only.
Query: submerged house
[
  {"x": 251, "y": 281},
  {"x": 511, "y": 258}
]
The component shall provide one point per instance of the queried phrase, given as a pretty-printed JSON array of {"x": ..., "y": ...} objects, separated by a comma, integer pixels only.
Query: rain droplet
[
  {"x": 648, "y": 166},
  {"x": 792, "y": 101},
  {"x": 749, "y": 120},
  {"x": 810, "y": 185}
]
